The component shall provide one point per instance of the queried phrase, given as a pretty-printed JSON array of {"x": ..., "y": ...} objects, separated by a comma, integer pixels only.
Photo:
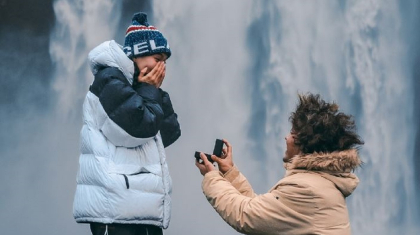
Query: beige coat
[{"x": 310, "y": 199}]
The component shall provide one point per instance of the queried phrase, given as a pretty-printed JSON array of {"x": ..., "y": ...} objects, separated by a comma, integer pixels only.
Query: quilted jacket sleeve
[
  {"x": 170, "y": 129},
  {"x": 134, "y": 113}
]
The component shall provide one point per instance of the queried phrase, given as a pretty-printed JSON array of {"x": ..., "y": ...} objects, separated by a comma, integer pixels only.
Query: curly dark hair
[{"x": 319, "y": 127}]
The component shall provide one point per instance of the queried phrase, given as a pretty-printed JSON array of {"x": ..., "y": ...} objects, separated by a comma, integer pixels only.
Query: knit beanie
[{"x": 142, "y": 39}]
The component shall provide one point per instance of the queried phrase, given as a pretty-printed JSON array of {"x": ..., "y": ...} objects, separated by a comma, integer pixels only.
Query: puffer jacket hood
[
  {"x": 110, "y": 54},
  {"x": 335, "y": 167}
]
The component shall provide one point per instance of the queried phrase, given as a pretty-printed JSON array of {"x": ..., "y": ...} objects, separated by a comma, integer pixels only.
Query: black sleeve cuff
[
  {"x": 170, "y": 130},
  {"x": 166, "y": 104}
]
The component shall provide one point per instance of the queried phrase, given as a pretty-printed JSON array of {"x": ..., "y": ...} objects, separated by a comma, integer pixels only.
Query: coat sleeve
[
  {"x": 269, "y": 213},
  {"x": 170, "y": 129},
  {"x": 235, "y": 177},
  {"x": 134, "y": 114}
]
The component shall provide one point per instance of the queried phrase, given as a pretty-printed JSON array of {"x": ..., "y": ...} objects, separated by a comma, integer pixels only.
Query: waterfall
[
  {"x": 80, "y": 26},
  {"x": 235, "y": 72},
  {"x": 376, "y": 63},
  {"x": 243, "y": 62}
]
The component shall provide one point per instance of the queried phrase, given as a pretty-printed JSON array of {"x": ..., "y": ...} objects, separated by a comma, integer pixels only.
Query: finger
[
  {"x": 162, "y": 78},
  {"x": 143, "y": 71},
  {"x": 164, "y": 70},
  {"x": 224, "y": 153},
  {"x": 162, "y": 74},
  {"x": 208, "y": 165},
  {"x": 153, "y": 76},
  {"x": 154, "y": 70},
  {"x": 199, "y": 165},
  {"x": 159, "y": 70},
  {"x": 229, "y": 147},
  {"x": 201, "y": 168},
  {"x": 163, "y": 67},
  {"x": 215, "y": 158},
  {"x": 204, "y": 158},
  {"x": 160, "y": 65}
]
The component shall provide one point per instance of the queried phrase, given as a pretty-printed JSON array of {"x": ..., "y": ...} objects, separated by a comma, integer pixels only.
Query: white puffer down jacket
[{"x": 123, "y": 175}]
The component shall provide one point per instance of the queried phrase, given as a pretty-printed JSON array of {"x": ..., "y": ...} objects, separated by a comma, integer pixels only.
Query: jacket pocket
[
  {"x": 127, "y": 184},
  {"x": 126, "y": 179}
]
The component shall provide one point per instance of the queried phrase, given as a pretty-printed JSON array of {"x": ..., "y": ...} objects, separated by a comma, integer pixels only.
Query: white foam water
[{"x": 80, "y": 26}]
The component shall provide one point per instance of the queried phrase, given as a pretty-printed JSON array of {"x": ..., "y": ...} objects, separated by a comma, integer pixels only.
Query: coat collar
[
  {"x": 339, "y": 161},
  {"x": 335, "y": 167}
]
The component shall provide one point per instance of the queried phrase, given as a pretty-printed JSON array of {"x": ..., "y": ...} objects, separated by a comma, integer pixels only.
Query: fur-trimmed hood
[
  {"x": 335, "y": 167},
  {"x": 339, "y": 161}
]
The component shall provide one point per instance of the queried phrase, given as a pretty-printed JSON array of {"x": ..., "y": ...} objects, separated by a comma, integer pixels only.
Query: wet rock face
[
  {"x": 26, "y": 65},
  {"x": 31, "y": 15}
]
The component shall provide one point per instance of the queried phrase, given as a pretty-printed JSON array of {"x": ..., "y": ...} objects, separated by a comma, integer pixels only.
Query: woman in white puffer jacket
[{"x": 123, "y": 180}]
